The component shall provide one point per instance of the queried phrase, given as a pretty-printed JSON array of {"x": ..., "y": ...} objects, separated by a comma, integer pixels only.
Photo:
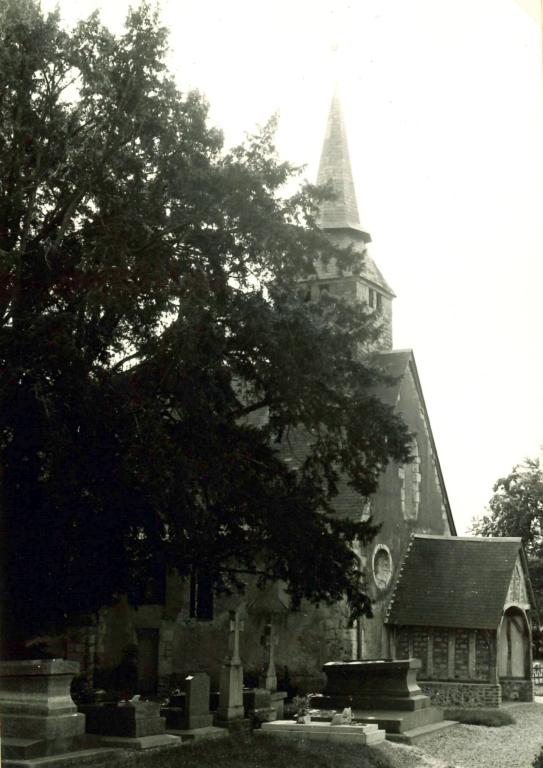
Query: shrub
[
  {"x": 538, "y": 762},
  {"x": 493, "y": 718}
]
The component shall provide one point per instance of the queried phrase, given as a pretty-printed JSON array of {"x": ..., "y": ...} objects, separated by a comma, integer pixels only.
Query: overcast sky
[{"x": 443, "y": 102}]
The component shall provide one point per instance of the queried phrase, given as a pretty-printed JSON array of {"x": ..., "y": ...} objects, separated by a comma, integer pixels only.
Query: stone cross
[
  {"x": 236, "y": 626},
  {"x": 270, "y": 641},
  {"x": 231, "y": 677}
]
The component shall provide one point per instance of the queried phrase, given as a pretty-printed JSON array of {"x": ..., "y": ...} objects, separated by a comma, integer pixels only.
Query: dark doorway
[{"x": 147, "y": 660}]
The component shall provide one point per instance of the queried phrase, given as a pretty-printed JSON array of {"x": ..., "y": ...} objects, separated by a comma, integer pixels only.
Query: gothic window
[
  {"x": 382, "y": 566},
  {"x": 201, "y": 596},
  {"x": 410, "y": 479}
]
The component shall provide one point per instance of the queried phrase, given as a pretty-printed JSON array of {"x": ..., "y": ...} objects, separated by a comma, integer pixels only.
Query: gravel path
[{"x": 474, "y": 746}]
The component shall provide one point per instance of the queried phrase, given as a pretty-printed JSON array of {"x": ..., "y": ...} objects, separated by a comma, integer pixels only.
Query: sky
[{"x": 443, "y": 101}]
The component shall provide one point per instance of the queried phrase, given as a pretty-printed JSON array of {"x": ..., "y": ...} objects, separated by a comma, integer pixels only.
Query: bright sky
[{"x": 444, "y": 109}]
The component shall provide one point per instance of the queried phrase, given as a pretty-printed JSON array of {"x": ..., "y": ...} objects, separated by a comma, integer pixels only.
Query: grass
[
  {"x": 492, "y": 718},
  {"x": 256, "y": 751}
]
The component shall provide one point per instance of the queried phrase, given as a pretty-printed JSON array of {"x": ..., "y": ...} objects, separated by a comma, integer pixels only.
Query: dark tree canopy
[
  {"x": 516, "y": 509},
  {"x": 149, "y": 303}
]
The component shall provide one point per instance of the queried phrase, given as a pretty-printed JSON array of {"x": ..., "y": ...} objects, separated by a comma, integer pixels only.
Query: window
[
  {"x": 410, "y": 479},
  {"x": 382, "y": 566},
  {"x": 371, "y": 297},
  {"x": 201, "y": 596},
  {"x": 379, "y": 302}
]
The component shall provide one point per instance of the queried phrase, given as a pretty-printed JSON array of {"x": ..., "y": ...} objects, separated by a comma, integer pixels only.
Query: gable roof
[
  {"x": 450, "y": 581},
  {"x": 397, "y": 363}
]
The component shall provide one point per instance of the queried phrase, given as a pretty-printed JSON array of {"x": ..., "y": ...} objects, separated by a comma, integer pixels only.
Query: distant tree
[
  {"x": 150, "y": 303},
  {"x": 516, "y": 509}
]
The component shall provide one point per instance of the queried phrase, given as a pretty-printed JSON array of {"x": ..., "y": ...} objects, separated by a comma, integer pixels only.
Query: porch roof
[{"x": 449, "y": 581}]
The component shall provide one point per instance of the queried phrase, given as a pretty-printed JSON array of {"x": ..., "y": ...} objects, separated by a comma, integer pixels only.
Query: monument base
[
  {"x": 86, "y": 758},
  {"x": 343, "y": 734}
]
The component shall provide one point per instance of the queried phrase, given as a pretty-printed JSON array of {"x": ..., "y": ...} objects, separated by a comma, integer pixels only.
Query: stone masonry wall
[{"x": 465, "y": 695}]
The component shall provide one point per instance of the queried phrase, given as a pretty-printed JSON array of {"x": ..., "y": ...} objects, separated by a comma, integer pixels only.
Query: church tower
[{"x": 340, "y": 219}]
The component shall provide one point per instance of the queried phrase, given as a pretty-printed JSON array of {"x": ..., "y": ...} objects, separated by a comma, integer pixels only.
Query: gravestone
[
  {"x": 39, "y": 719},
  {"x": 268, "y": 681},
  {"x": 231, "y": 712},
  {"x": 188, "y": 714},
  {"x": 269, "y": 641},
  {"x": 190, "y": 709}
]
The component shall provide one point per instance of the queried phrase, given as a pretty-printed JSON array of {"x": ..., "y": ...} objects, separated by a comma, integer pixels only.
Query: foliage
[
  {"x": 254, "y": 752},
  {"x": 516, "y": 509},
  {"x": 153, "y": 305},
  {"x": 538, "y": 761},
  {"x": 493, "y": 718}
]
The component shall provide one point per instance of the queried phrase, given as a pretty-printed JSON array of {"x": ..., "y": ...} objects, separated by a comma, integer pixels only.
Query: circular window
[{"x": 382, "y": 566}]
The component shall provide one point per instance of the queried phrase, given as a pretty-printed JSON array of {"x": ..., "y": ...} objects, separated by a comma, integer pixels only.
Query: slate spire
[{"x": 335, "y": 167}]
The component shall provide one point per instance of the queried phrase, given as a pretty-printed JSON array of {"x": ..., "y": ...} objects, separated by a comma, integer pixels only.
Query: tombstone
[
  {"x": 190, "y": 710},
  {"x": 269, "y": 641},
  {"x": 231, "y": 679},
  {"x": 39, "y": 719},
  {"x": 268, "y": 681}
]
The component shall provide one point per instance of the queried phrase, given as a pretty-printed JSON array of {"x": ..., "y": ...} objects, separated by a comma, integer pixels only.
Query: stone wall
[
  {"x": 516, "y": 690},
  {"x": 449, "y": 652},
  {"x": 464, "y": 695}
]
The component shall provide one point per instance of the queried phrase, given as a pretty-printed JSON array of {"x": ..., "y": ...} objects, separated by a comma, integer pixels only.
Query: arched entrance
[{"x": 514, "y": 645}]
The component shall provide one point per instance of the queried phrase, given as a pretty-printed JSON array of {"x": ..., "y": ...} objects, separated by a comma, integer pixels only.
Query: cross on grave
[
  {"x": 231, "y": 678},
  {"x": 236, "y": 626},
  {"x": 270, "y": 641}
]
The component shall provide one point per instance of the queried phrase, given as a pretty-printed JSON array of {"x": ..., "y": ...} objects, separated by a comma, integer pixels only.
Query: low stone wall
[
  {"x": 517, "y": 690},
  {"x": 465, "y": 695}
]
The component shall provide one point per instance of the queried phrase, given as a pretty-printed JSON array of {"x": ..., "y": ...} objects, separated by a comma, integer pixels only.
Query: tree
[
  {"x": 516, "y": 509},
  {"x": 151, "y": 301}
]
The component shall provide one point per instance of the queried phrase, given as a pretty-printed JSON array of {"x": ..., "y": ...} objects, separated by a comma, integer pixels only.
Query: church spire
[{"x": 335, "y": 167}]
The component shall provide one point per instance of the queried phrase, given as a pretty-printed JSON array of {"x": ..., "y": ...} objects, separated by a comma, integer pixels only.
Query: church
[{"x": 464, "y": 606}]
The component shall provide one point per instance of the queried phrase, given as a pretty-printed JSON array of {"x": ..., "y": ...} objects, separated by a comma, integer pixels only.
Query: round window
[{"x": 382, "y": 566}]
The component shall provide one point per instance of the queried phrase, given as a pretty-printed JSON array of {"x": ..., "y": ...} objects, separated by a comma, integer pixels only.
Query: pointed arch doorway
[{"x": 514, "y": 645}]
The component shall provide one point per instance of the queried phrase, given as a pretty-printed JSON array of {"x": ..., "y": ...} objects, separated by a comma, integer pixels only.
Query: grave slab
[
  {"x": 85, "y": 758},
  {"x": 345, "y": 734},
  {"x": 141, "y": 742},
  {"x": 208, "y": 733}
]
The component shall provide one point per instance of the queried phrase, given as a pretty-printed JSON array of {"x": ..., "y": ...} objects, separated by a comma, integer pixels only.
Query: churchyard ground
[{"x": 461, "y": 746}]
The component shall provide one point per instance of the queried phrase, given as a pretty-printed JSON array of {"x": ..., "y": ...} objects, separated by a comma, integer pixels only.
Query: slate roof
[
  {"x": 335, "y": 167},
  {"x": 449, "y": 581}
]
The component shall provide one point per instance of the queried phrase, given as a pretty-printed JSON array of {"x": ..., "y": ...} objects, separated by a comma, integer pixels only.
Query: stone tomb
[
  {"x": 39, "y": 720},
  {"x": 382, "y": 692},
  {"x": 130, "y": 724},
  {"x": 133, "y": 719}
]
